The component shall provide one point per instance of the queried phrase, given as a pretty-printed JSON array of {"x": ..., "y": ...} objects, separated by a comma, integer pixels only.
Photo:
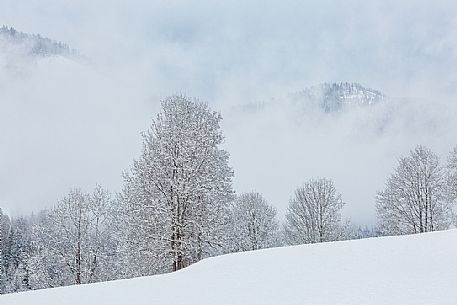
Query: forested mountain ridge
[
  {"x": 328, "y": 97},
  {"x": 33, "y": 44},
  {"x": 336, "y": 97}
]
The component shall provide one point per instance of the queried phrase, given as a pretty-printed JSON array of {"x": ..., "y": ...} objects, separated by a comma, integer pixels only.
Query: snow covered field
[{"x": 417, "y": 269}]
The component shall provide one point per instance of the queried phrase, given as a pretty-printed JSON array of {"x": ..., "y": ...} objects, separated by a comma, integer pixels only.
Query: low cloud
[{"x": 66, "y": 123}]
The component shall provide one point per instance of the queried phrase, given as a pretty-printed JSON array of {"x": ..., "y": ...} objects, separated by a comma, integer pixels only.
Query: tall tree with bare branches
[
  {"x": 314, "y": 213},
  {"x": 414, "y": 199}
]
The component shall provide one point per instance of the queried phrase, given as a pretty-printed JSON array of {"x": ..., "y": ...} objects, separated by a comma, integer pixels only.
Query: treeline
[
  {"x": 36, "y": 44},
  {"x": 178, "y": 207}
]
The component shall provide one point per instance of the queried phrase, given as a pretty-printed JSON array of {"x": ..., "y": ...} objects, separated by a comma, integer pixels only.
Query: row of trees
[
  {"x": 91, "y": 237},
  {"x": 178, "y": 207}
]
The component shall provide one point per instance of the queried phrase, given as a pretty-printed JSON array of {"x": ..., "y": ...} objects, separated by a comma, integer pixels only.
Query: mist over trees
[{"x": 177, "y": 206}]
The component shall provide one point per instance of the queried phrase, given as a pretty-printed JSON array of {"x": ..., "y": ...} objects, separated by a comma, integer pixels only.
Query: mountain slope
[
  {"x": 335, "y": 97},
  {"x": 416, "y": 269},
  {"x": 325, "y": 98},
  {"x": 34, "y": 45}
]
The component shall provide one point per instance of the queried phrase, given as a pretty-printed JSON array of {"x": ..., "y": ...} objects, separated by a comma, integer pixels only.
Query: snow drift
[{"x": 415, "y": 269}]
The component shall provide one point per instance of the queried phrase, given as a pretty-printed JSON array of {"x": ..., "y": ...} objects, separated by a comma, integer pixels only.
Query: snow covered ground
[{"x": 417, "y": 269}]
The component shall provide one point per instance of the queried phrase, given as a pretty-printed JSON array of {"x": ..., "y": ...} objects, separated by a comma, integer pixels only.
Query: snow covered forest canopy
[{"x": 344, "y": 98}]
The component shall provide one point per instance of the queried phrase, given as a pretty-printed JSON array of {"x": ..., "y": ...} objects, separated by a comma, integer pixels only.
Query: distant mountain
[
  {"x": 33, "y": 44},
  {"x": 326, "y": 97},
  {"x": 335, "y": 97}
]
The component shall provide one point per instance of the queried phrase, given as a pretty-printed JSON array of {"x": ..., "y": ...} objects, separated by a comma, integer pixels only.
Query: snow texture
[{"x": 415, "y": 269}]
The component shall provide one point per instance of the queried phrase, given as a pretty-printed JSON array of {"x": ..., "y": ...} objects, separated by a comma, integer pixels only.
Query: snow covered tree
[
  {"x": 178, "y": 190},
  {"x": 20, "y": 249},
  {"x": 140, "y": 242},
  {"x": 253, "y": 223},
  {"x": 102, "y": 245},
  {"x": 452, "y": 175},
  {"x": 451, "y": 180},
  {"x": 2, "y": 242},
  {"x": 70, "y": 240},
  {"x": 61, "y": 240},
  {"x": 413, "y": 200},
  {"x": 360, "y": 232},
  {"x": 5, "y": 250},
  {"x": 314, "y": 213}
]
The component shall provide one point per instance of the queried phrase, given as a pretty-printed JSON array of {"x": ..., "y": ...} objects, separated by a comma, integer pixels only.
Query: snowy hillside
[{"x": 417, "y": 269}]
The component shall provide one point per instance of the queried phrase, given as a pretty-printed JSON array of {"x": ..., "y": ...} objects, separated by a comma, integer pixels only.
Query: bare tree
[
  {"x": 5, "y": 250},
  {"x": 19, "y": 250},
  {"x": 314, "y": 213},
  {"x": 413, "y": 200},
  {"x": 179, "y": 189},
  {"x": 254, "y": 223},
  {"x": 452, "y": 175},
  {"x": 61, "y": 237},
  {"x": 100, "y": 243},
  {"x": 2, "y": 243},
  {"x": 68, "y": 240},
  {"x": 451, "y": 179}
]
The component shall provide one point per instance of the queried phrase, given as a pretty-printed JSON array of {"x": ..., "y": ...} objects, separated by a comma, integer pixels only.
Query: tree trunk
[
  {"x": 78, "y": 250},
  {"x": 78, "y": 262}
]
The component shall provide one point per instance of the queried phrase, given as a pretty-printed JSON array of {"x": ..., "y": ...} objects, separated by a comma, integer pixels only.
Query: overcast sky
[{"x": 69, "y": 124}]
